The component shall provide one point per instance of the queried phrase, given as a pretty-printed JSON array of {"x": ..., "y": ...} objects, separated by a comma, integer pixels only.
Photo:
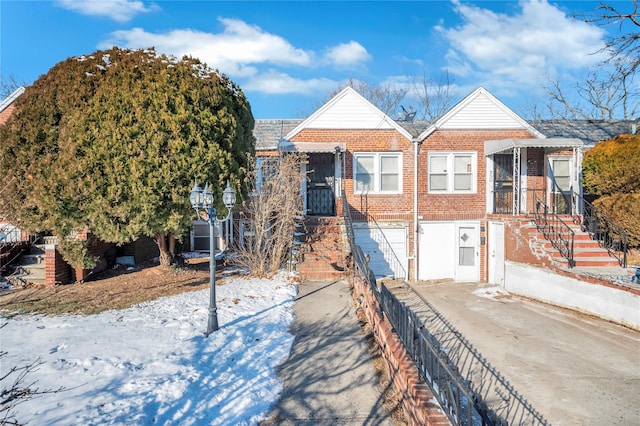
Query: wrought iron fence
[
  {"x": 555, "y": 230},
  {"x": 603, "y": 229},
  {"x": 468, "y": 388}
]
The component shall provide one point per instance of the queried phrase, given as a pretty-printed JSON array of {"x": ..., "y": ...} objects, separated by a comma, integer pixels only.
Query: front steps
[
  {"x": 323, "y": 251},
  {"x": 587, "y": 252},
  {"x": 32, "y": 268}
]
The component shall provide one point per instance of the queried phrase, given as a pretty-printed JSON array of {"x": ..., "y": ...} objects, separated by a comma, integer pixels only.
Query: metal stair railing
[
  {"x": 555, "y": 230},
  {"x": 603, "y": 229}
]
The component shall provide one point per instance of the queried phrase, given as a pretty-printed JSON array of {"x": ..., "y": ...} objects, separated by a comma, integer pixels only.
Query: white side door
[
  {"x": 467, "y": 253},
  {"x": 496, "y": 253}
]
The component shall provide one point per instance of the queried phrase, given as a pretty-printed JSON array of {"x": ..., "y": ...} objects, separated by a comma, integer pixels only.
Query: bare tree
[
  {"x": 424, "y": 97},
  {"x": 603, "y": 95},
  {"x": 270, "y": 214},
  {"x": 9, "y": 85},
  {"x": 611, "y": 91},
  {"x": 625, "y": 46},
  {"x": 434, "y": 98},
  {"x": 17, "y": 388}
]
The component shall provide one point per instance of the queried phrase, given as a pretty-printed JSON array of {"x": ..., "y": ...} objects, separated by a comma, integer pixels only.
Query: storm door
[
  {"x": 560, "y": 179},
  {"x": 503, "y": 183},
  {"x": 320, "y": 188}
]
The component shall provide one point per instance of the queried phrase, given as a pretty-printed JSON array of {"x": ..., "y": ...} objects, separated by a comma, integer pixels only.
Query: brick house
[{"x": 428, "y": 200}]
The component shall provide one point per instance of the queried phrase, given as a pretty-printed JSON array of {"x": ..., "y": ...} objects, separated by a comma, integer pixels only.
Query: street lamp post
[{"x": 203, "y": 200}]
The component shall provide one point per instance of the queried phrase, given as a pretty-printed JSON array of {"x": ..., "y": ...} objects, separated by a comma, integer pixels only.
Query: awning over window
[
  {"x": 311, "y": 147},
  {"x": 502, "y": 145}
]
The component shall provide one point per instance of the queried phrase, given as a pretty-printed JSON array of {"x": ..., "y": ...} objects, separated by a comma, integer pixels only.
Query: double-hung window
[
  {"x": 266, "y": 168},
  {"x": 377, "y": 173},
  {"x": 452, "y": 172}
]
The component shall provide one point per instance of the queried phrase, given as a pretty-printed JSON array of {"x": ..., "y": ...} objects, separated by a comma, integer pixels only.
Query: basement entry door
[
  {"x": 386, "y": 247},
  {"x": 449, "y": 250}
]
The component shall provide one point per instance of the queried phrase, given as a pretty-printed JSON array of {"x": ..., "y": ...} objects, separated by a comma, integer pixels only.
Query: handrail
[
  {"x": 358, "y": 257},
  {"x": 387, "y": 249},
  {"x": 602, "y": 228},
  {"x": 555, "y": 230}
]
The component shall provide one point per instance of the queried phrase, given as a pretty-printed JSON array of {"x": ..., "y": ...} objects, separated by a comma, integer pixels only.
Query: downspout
[{"x": 416, "y": 233}]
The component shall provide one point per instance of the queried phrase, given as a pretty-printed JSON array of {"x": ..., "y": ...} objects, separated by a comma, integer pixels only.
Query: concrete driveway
[{"x": 573, "y": 369}]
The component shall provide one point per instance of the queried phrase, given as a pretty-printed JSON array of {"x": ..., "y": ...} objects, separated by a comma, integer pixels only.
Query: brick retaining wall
[{"x": 418, "y": 402}]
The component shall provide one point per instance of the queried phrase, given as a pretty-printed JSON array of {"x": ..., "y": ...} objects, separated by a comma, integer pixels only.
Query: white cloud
[
  {"x": 236, "y": 51},
  {"x": 273, "y": 82},
  {"x": 347, "y": 54},
  {"x": 118, "y": 10},
  {"x": 520, "y": 49},
  {"x": 241, "y": 50}
]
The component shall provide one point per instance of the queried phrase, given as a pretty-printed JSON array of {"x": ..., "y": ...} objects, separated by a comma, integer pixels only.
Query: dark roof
[
  {"x": 269, "y": 132},
  {"x": 414, "y": 127},
  {"x": 589, "y": 131}
]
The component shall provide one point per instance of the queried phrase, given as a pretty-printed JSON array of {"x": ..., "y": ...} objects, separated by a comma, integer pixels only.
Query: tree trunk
[{"x": 166, "y": 245}]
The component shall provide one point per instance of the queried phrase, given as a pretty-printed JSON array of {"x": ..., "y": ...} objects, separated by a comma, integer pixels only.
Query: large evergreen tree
[
  {"x": 111, "y": 142},
  {"x": 611, "y": 173}
]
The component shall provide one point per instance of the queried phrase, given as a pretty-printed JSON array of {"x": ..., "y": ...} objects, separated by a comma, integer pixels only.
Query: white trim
[
  {"x": 11, "y": 98},
  {"x": 375, "y": 189},
  {"x": 384, "y": 121},
  {"x": 480, "y": 91},
  {"x": 450, "y": 171}
]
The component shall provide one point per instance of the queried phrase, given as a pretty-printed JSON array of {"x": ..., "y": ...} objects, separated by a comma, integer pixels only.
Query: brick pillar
[{"x": 50, "y": 265}]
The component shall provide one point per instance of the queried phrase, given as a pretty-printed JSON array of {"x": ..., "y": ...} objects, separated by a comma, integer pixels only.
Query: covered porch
[
  {"x": 323, "y": 170},
  {"x": 522, "y": 171}
]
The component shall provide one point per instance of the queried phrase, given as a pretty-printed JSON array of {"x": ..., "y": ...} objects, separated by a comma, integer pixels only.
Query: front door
[
  {"x": 560, "y": 184},
  {"x": 320, "y": 189},
  {"x": 503, "y": 183}
]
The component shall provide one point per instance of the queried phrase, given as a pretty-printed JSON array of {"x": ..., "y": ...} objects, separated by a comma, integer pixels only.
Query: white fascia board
[{"x": 349, "y": 91}]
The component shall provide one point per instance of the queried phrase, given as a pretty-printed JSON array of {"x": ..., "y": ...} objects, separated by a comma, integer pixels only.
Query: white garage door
[{"x": 386, "y": 247}]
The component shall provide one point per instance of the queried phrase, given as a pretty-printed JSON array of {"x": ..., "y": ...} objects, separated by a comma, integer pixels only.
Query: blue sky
[{"x": 288, "y": 56}]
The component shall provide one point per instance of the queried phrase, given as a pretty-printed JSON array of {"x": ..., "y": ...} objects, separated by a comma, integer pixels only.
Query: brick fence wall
[{"x": 418, "y": 402}]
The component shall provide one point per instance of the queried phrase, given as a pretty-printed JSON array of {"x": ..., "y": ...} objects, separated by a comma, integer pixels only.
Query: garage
[{"x": 386, "y": 246}]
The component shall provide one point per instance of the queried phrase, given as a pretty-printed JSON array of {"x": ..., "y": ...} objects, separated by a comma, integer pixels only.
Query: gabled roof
[
  {"x": 11, "y": 98},
  {"x": 268, "y": 133},
  {"x": 589, "y": 131},
  {"x": 349, "y": 110},
  {"x": 480, "y": 110}
]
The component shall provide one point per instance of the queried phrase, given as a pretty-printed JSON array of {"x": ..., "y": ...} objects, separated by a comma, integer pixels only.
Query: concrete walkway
[{"x": 329, "y": 378}]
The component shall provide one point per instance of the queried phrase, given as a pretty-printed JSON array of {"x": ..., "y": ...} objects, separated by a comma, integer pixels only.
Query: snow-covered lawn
[{"x": 152, "y": 365}]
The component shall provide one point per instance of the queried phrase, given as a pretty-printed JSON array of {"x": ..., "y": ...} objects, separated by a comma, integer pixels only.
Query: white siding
[
  {"x": 483, "y": 113},
  {"x": 349, "y": 112}
]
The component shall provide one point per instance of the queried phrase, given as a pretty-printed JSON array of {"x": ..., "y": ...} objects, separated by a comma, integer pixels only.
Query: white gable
[
  {"x": 348, "y": 110},
  {"x": 481, "y": 110}
]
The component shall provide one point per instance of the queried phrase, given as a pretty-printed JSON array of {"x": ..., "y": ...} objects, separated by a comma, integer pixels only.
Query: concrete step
[
  {"x": 32, "y": 259},
  {"x": 589, "y": 262},
  {"x": 582, "y": 252}
]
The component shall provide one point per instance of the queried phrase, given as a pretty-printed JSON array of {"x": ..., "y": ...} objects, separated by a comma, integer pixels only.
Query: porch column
[{"x": 516, "y": 181}]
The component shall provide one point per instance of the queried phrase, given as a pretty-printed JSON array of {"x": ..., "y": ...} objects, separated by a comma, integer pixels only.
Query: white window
[
  {"x": 266, "y": 168},
  {"x": 452, "y": 172},
  {"x": 561, "y": 174},
  {"x": 377, "y": 172}
]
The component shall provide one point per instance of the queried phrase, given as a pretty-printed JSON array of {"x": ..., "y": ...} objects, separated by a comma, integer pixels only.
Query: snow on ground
[
  {"x": 493, "y": 292},
  {"x": 152, "y": 364}
]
